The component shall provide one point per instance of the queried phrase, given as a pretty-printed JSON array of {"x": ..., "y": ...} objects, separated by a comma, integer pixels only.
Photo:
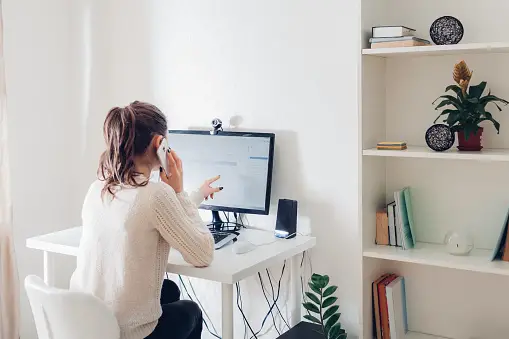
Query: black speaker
[{"x": 286, "y": 222}]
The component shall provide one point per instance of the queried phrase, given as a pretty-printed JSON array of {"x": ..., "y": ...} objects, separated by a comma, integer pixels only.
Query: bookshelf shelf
[
  {"x": 472, "y": 48},
  {"x": 452, "y": 154},
  {"x": 436, "y": 255},
  {"x": 416, "y": 335}
]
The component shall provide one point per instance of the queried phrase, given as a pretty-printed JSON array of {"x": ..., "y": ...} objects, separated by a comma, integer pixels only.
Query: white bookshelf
[
  {"x": 449, "y": 297},
  {"x": 433, "y": 50}
]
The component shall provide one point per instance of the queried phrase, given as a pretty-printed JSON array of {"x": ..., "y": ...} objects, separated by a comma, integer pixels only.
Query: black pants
[{"x": 181, "y": 319}]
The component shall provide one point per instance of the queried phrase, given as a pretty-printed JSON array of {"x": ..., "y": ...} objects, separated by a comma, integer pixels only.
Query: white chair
[{"x": 62, "y": 314}]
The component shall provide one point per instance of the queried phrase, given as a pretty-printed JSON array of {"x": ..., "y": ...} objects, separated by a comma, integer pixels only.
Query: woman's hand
[
  {"x": 175, "y": 178},
  {"x": 208, "y": 191}
]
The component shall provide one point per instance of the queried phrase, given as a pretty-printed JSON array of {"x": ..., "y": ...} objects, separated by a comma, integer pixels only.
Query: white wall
[
  {"x": 286, "y": 66},
  {"x": 41, "y": 127}
]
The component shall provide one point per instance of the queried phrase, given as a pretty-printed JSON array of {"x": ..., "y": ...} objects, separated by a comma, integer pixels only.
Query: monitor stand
[{"x": 217, "y": 223}]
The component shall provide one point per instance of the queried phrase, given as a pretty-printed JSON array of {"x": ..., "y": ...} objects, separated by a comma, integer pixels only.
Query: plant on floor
[
  {"x": 467, "y": 108},
  {"x": 322, "y": 304}
]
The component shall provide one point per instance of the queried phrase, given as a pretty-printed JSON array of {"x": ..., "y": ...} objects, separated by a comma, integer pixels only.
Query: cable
[
  {"x": 201, "y": 306},
  {"x": 275, "y": 302},
  {"x": 191, "y": 298},
  {"x": 277, "y": 307},
  {"x": 268, "y": 302},
  {"x": 239, "y": 296},
  {"x": 242, "y": 312}
]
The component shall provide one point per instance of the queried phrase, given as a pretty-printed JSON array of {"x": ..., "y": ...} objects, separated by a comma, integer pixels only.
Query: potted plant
[
  {"x": 466, "y": 109},
  {"x": 321, "y": 308}
]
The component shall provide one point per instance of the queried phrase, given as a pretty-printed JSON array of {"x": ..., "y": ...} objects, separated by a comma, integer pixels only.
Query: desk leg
[
  {"x": 295, "y": 291},
  {"x": 227, "y": 310},
  {"x": 49, "y": 268}
]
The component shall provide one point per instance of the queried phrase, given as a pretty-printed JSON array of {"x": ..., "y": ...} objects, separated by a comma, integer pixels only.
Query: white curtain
[{"x": 9, "y": 288}]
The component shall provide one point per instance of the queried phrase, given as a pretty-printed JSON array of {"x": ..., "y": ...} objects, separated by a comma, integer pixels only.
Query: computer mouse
[{"x": 241, "y": 247}]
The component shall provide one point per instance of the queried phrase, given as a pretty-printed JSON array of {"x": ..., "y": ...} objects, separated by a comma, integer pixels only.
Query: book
[
  {"x": 404, "y": 38},
  {"x": 410, "y": 213},
  {"x": 392, "y": 223},
  {"x": 400, "y": 43},
  {"x": 404, "y": 218},
  {"x": 391, "y": 145},
  {"x": 396, "y": 305},
  {"x": 384, "y": 311},
  {"x": 498, "y": 251},
  {"x": 398, "y": 228},
  {"x": 394, "y": 148},
  {"x": 377, "y": 329},
  {"x": 382, "y": 228},
  {"x": 391, "y": 31}
]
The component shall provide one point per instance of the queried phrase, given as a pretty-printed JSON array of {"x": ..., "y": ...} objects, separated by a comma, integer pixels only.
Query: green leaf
[
  {"x": 331, "y": 322},
  {"x": 320, "y": 281},
  {"x": 315, "y": 277},
  {"x": 456, "y": 89},
  {"x": 453, "y": 118},
  {"x": 312, "y": 319},
  {"x": 473, "y": 100},
  {"x": 446, "y": 111},
  {"x": 449, "y": 102},
  {"x": 313, "y": 298},
  {"x": 476, "y": 91},
  {"x": 329, "y": 291},
  {"x": 334, "y": 331},
  {"x": 330, "y": 312},
  {"x": 451, "y": 98},
  {"x": 311, "y": 307},
  {"x": 499, "y": 109},
  {"x": 495, "y": 123},
  {"x": 314, "y": 288},
  {"x": 492, "y": 98},
  {"x": 329, "y": 301}
]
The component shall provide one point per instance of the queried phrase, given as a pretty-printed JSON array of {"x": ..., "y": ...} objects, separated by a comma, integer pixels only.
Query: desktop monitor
[{"x": 244, "y": 161}]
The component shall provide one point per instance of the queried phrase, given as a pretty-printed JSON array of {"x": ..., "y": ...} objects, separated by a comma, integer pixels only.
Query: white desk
[{"x": 227, "y": 268}]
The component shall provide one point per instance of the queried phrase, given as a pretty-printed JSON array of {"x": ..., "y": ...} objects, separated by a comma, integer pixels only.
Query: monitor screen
[{"x": 243, "y": 160}]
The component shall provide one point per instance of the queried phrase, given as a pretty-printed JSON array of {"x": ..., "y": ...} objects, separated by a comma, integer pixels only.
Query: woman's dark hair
[{"x": 128, "y": 132}]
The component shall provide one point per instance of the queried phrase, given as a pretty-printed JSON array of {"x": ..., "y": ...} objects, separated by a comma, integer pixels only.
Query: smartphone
[{"x": 162, "y": 152}]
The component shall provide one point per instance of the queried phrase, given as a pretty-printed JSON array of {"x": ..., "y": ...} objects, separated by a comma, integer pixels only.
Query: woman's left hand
[{"x": 208, "y": 191}]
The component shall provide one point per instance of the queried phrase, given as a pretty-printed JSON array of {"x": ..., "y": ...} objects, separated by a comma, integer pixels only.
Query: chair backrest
[{"x": 62, "y": 314}]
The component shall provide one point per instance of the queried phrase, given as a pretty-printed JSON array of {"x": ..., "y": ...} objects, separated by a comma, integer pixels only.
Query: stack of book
[
  {"x": 391, "y": 145},
  {"x": 395, "y": 36},
  {"x": 395, "y": 223},
  {"x": 389, "y": 307}
]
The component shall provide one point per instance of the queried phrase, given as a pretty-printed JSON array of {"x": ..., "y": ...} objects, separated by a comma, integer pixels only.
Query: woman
[{"x": 130, "y": 224}]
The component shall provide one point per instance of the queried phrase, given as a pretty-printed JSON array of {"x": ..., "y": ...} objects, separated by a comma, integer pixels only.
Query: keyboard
[{"x": 222, "y": 238}]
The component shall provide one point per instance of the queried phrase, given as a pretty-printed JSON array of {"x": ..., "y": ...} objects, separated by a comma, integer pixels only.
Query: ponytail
[{"x": 128, "y": 132}]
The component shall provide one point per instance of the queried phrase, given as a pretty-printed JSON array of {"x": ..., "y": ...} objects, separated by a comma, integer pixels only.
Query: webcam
[{"x": 217, "y": 126}]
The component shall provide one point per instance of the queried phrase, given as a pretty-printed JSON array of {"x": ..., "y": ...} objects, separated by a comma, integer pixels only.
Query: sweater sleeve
[{"x": 179, "y": 223}]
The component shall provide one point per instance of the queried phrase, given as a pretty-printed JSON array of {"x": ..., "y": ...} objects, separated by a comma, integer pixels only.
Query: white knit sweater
[{"x": 125, "y": 246}]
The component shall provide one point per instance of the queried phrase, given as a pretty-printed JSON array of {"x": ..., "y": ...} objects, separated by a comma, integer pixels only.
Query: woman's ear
[{"x": 156, "y": 141}]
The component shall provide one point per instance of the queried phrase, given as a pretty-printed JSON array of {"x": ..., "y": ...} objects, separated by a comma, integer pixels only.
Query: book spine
[
  {"x": 392, "y": 312},
  {"x": 376, "y": 308},
  {"x": 392, "y": 226},
  {"x": 382, "y": 228},
  {"x": 384, "y": 311},
  {"x": 399, "y": 223}
]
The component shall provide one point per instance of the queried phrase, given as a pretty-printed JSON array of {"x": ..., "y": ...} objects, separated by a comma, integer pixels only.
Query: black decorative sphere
[
  {"x": 446, "y": 30},
  {"x": 439, "y": 137}
]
